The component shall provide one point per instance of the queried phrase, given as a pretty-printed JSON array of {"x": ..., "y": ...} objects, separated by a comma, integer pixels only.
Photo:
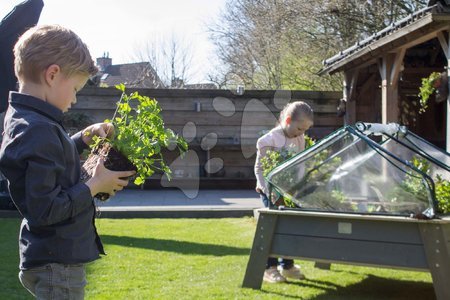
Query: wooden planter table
[{"x": 368, "y": 240}]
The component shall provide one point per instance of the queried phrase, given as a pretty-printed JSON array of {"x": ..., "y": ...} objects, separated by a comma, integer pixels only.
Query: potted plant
[
  {"x": 437, "y": 83},
  {"x": 140, "y": 137}
]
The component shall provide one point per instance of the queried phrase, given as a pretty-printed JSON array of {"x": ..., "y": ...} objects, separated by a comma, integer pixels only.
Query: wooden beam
[
  {"x": 389, "y": 92},
  {"x": 262, "y": 244},
  {"x": 350, "y": 82},
  {"x": 396, "y": 68},
  {"x": 426, "y": 36},
  {"x": 446, "y": 48},
  {"x": 353, "y": 83},
  {"x": 407, "y": 37},
  {"x": 366, "y": 53},
  {"x": 447, "y": 138},
  {"x": 382, "y": 67},
  {"x": 444, "y": 43}
]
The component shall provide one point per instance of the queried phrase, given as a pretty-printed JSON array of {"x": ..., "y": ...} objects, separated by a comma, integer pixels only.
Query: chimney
[{"x": 104, "y": 62}]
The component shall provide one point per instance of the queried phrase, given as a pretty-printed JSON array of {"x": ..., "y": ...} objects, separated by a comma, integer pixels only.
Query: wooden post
[
  {"x": 350, "y": 81},
  {"x": 261, "y": 248},
  {"x": 447, "y": 136},
  {"x": 437, "y": 251},
  {"x": 390, "y": 67},
  {"x": 446, "y": 48},
  {"x": 345, "y": 84}
]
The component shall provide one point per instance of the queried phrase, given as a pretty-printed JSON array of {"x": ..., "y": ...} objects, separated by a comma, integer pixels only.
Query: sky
[{"x": 122, "y": 28}]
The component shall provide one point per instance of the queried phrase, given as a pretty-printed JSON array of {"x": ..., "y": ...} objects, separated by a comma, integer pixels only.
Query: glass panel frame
[{"x": 362, "y": 166}]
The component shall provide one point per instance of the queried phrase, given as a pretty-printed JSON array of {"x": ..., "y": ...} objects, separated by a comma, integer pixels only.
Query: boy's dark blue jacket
[{"x": 42, "y": 165}]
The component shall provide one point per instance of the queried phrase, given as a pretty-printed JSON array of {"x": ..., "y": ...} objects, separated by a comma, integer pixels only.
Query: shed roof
[{"x": 412, "y": 30}]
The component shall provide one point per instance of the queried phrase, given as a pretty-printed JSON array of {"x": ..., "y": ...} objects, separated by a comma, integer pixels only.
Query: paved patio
[
  {"x": 136, "y": 203},
  {"x": 174, "y": 203}
]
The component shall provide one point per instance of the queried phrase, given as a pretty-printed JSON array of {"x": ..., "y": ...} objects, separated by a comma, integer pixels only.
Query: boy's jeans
[
  {"x": 272, "y": 261},
  {"x": 55, "y": 281}
]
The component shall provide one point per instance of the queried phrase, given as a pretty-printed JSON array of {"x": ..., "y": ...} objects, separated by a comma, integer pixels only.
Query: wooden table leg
[
  {"x": 436, "y": 239},
  {"x": 260, "y": 251}
]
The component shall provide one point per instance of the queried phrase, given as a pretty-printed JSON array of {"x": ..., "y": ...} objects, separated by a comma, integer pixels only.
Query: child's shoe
[
  {"x": 272, "y": 275},
  {"x": 292, "y": 273}
]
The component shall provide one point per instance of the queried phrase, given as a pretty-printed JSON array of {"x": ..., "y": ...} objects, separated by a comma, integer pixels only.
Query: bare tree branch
[
  {"x": 170, "y": 58},
  {"x": 272, "y": 44}
]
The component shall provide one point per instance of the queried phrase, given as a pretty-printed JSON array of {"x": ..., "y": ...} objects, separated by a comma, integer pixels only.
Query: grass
[{"x": 204, "y": 259}]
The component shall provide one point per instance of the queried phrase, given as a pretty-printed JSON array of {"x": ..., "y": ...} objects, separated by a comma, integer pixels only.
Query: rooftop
[{"x": 362, "y": 48}]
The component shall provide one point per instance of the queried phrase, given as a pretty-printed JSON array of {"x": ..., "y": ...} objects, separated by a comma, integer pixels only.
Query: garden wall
[{"x": 220, "y": 126}]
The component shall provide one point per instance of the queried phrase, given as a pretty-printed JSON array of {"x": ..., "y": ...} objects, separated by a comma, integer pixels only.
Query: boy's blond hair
[
  {"x": 297, "y": 110},
  {"x": 42, "y": 46}
]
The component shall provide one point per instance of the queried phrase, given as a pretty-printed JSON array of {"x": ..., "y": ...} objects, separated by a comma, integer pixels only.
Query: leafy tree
[{"x": 276, "y": 44}]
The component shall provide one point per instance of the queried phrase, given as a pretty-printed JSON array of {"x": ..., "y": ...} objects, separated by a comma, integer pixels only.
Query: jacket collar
[{"x": 37, "y": 105}]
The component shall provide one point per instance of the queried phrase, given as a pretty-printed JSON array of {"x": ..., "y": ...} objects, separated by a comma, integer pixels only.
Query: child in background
[
  {"x": 41, "y": 162},
  {"x": 295, "y": 119}
]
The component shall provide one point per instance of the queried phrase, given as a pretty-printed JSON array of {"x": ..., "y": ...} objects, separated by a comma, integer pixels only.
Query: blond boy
[{"x": 41, "y": 162}]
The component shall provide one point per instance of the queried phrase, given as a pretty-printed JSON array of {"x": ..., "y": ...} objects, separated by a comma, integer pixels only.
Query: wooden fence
[{"x": 220, "y": 126}]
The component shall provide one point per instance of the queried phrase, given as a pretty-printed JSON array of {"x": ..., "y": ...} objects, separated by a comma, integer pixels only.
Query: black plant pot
[{"x": 113, "y": 160}]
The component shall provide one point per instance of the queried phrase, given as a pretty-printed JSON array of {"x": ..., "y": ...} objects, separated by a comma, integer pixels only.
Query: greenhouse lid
[{"x": 368, "y": 168}]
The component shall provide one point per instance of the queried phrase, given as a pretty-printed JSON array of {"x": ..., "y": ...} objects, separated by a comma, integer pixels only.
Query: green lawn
[{"x": 204, "y": 259}]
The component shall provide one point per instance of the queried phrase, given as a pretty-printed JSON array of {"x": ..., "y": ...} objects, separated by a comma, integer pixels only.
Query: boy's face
[
  {"x": 63, "y": 90},
  {"x": 294, "y": 128}
]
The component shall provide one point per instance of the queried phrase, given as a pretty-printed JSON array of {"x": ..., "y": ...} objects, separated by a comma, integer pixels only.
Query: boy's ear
[
  {"x": 51, "y": 73},
  {"x": 288, "y": 120}
]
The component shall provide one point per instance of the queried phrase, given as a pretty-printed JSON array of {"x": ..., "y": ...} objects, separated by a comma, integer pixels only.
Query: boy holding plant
[
  {"x": 41, "y": 162},
  {"x": 295, "y": 119}
]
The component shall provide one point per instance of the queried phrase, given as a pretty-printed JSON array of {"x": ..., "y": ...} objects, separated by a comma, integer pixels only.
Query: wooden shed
[{"x": 382, "y": 73}]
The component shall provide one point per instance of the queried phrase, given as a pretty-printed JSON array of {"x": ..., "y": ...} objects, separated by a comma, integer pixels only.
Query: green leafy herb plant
[
  {"x": 334, "y": 200},
  {"x": 272, "y": 159},
  {"x": 139, "y": 140},
  {"x": 413, "y": 184},
  {"x": 442, "y": 190}
]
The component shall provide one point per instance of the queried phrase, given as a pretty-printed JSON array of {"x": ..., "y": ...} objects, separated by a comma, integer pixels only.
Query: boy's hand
[
  {"x": 98, "y": 129},
  {"x": 107, "y": 181}
]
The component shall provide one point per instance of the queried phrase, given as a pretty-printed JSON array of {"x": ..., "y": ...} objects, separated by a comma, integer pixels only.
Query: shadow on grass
[
  {"x": 181, "y": 247},
  {"x": 371, "y": 288}
]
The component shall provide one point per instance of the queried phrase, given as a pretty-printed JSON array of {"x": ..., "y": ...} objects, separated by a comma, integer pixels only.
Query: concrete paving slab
[{"x": 174, "y": 203}]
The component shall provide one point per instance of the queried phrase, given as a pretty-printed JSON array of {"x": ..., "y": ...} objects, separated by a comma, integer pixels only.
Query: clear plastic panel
[
  {"x": 347, "y": 174},
  {"x": 416, "y": 148}
]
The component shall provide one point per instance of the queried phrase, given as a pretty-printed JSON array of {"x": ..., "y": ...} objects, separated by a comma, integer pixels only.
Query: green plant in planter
[
  {"x": 333, "y": 200},
  {"x": 274, "y": 158},
  {"x": 427, "y": 89},
  {"x": 140, "y": 136},
  {"x": 413, "y": 185},
  {"x": 442, "y": 189}
]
